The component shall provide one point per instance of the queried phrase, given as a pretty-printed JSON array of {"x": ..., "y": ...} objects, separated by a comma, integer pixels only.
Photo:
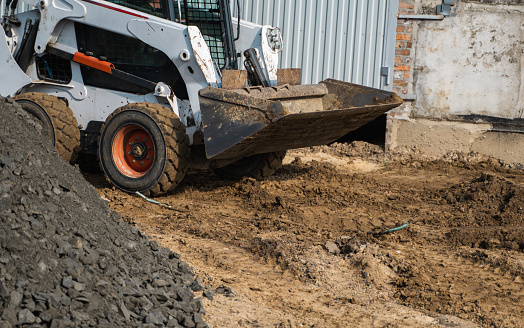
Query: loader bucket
[{"x": 243, "y": 122}]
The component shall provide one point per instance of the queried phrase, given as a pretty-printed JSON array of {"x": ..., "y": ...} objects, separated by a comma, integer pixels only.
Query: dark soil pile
[
  {"x": 356, "y": 149},
  {"x": 488, "y": 212},
  {"x": 66, "y": 260},
  {"x": 501, "y": 201}
]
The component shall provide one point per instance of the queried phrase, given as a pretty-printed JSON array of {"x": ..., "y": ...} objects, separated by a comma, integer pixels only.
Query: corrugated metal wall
[
  {"x": 341, "y": 39},
  {"x": 19, "y": 9}
]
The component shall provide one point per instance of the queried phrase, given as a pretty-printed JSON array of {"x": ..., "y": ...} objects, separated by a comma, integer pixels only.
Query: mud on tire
[
  {"x": 57, "y": 119},
  {"x": 144, "y": 147},
  {"x": 259, "y": 166}
]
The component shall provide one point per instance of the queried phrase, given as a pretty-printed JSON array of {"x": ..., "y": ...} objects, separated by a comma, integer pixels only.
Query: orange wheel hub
[{"x": 133, "y": 151}]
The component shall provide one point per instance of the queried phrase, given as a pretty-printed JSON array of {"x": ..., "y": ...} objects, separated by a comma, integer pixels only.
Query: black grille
[
  {"x": 129, "y": 55},
  {"x": 151, "y": 7},
  {"x": 117, "y": 49},
  {"x": 205, "y": 14},
  {"x": 54, "y": 69}
]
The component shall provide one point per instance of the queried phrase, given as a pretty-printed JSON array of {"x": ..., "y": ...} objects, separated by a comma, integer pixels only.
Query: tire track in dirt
[{"x": 457, "y": 285}]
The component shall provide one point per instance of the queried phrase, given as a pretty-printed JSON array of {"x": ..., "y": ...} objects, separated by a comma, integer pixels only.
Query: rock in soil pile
[{"x": 66, "y": 260}]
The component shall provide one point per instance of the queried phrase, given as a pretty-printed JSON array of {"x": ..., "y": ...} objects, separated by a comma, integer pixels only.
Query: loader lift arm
[{"x": 103, "y": 66}]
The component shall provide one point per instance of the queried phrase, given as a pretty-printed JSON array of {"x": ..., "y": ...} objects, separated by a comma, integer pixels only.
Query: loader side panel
[{"x": 17, "y": 78}]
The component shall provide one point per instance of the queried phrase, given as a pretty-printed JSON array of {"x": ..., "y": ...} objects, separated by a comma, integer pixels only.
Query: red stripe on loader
[{"x": 115, "y": 9}]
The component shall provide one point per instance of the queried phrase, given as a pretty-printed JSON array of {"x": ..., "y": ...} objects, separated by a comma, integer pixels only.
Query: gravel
[{"x": 66, "y": 260}]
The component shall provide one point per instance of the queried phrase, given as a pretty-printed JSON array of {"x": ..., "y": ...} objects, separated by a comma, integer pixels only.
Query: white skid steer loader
[{"x": 153, "y": 87}]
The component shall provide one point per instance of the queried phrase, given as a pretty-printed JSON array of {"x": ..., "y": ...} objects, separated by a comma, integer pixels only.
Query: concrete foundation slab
[{"x": 437, "y": 138}]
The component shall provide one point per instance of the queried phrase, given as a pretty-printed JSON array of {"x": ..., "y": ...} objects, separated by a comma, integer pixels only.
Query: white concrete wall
[
  {"x": 469, "y": 64},
  {"x": 472, "y": 63}
]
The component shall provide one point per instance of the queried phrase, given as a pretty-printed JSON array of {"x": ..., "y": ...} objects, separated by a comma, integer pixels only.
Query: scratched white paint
[
  {"x": 17, "y": 78},
  {"x": 270, "y": 58},
  {"x": 202, "y": 54},
  {"x": 51, "y": 14}
]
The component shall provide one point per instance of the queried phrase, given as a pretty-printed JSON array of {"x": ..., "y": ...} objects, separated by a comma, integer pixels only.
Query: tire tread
[
  {"x": 175, "y": 140},
  {"x": 65, "y": 125},
  {"x": 270, "y": 163}
]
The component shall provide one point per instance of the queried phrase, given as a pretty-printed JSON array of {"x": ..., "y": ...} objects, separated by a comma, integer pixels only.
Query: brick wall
[{"x": 403, "y": 49}]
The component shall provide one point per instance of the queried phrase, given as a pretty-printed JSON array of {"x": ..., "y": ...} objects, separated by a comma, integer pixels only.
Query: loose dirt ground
[{"x": 459, "y": 263}]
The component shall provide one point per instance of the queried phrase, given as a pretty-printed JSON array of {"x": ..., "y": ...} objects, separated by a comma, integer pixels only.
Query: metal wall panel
[{"x": 349, "y": 40}]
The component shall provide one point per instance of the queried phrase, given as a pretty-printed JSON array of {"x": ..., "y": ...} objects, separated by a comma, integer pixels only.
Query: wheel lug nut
[
  {"x": 131, "y": 143},
  {"x": 137, "y": 138},
  {"x": 129, "y": 152},
  {"x": 149, "y": 148},
  {"x": 145, "y": 140},
  {"x": 134, "y": 160},
  {"x": 148, "y": 158},
  {"x": 141, "y": 162}
]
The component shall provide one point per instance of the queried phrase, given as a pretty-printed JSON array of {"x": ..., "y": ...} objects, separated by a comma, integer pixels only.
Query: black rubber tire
[
  {"x": 259, "y": 166},
  {"x": 170, "y": 151},
  {"x": 57, "y": 120}
]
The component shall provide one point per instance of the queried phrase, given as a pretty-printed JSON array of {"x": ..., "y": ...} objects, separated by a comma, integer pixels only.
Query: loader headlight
[{"x": 274, "y": 39}]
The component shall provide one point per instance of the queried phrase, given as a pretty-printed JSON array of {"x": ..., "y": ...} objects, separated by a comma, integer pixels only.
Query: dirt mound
[
  {"x": 67, "y": 260},
  {"x": 486, "y": 212},
  {"x": 353, "y": 149},
  {"x": 501, "y": 201}
]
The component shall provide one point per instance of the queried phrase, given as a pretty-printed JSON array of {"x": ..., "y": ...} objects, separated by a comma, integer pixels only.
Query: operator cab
[{"x": 212, "y": 17}]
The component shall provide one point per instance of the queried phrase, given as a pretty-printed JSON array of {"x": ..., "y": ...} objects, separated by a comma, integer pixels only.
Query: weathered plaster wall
[
  {"x": 469, "y": 64},
  {"x": 497, "y": 2}
]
